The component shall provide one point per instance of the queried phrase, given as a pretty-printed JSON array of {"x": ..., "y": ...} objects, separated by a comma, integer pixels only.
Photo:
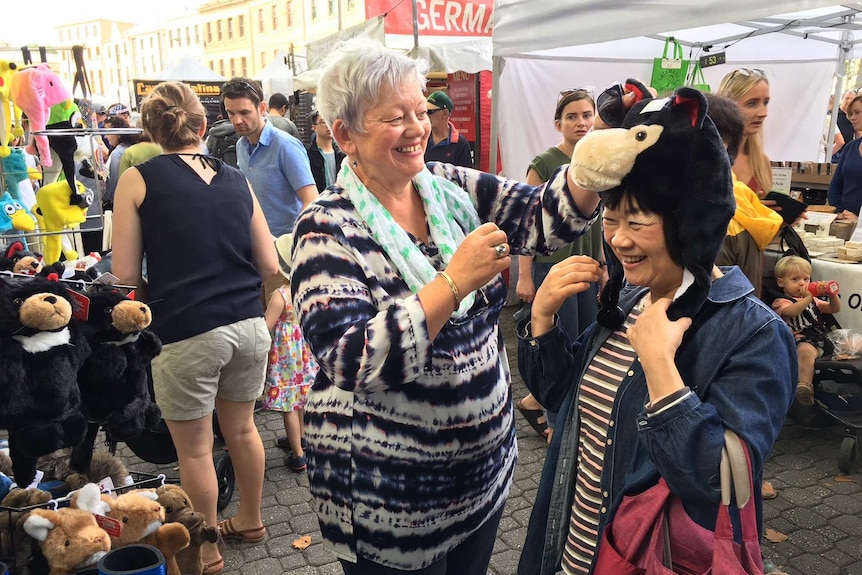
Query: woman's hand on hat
[
  {"x": 482, "y": 255},
  {"x": 654, "y": 337},
  {"x": 569, "y": 277}
]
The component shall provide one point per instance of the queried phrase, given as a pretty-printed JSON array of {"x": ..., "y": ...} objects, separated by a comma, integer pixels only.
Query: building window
[
  {"x": 331, "y": 7},
  {"x": 97, "y": 52},
  {"x": 242, "y": 26},
  {"x": 260, "y": 21},
  {"x": 290, "y": 14},
  {"x": 221, "y": 67},
  {"x": 197, "y": 34},
  {"x": 212, "y": 65},
  {"x": 179, "y": 37},
  {"x": 219, "y": 30},
  {"x": 275, "y": 17},
  {"x": 209, "y": 31},
  {"x": 313, "y": 10},
  {"x": 125, "y": 50},
  {"x": 188, "y": 36},
  {"x": 263, "y": 60},
  {"x": 232, "y": 67},
  {"x": 351, "y": 4},
  {"x": 230, "y": 27},
  {"x": 151, "y": 43},
  {"x": 244, "y": 67}
]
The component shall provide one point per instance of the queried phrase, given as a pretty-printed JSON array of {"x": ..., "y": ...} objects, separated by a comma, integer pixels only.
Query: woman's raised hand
[
  {"x": 571, "y": 276},
  {"x": 483, "y": 254}
]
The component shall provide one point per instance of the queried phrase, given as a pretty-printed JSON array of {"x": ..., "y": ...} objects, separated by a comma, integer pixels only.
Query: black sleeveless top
[{"x": 197, "y": 239}]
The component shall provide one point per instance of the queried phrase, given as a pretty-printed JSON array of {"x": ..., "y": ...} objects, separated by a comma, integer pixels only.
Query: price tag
[
  {"x": 82, "y": 309},
  {"x": 712, "y": 60},
  {"x": 107, "y": 486},
  {"x": 111, "y": 526}
]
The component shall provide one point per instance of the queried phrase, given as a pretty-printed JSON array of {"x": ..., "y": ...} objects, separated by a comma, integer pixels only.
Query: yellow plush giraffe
[{"x": 6, "y": 133}]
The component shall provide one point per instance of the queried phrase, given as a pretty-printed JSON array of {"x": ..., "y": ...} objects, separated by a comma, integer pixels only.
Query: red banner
[{"x": 435, "y": 17}]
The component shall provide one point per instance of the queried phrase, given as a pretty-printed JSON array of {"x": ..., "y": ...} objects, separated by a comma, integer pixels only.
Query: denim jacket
[{"x": 740, "y": 360}]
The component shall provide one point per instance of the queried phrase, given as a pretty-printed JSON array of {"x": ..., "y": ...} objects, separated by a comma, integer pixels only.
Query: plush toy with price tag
[
  {"x": 41, "y": 351},
  {"x": 113, "y": 379}
]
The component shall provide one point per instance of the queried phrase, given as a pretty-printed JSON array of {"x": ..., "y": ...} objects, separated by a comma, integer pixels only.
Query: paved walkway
[{"x": 820, "y": 513}]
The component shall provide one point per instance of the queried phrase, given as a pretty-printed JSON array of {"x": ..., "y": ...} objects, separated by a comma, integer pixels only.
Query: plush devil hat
[{"x": 670, "y": 159}]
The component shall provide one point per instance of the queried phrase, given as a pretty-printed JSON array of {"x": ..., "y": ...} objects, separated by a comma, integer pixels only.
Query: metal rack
[{"x": 98, "y": 166}]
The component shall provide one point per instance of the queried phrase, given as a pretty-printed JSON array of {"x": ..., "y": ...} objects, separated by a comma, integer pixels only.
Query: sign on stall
[{"x": 781, "y": 180}]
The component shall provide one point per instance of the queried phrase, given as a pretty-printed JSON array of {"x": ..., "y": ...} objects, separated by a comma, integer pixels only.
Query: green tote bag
[{"x": 668, "y": 74}]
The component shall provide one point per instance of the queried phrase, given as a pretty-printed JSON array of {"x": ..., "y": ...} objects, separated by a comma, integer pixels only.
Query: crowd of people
[{"x": 353, "y": 283}]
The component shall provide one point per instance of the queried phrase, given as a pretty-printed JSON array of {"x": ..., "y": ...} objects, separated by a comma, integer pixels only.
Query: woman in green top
[{"x": 573, "y": 118}]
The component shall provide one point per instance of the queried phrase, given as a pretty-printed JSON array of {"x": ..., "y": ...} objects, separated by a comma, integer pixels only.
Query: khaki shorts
[{"x": 228, "y": 362}]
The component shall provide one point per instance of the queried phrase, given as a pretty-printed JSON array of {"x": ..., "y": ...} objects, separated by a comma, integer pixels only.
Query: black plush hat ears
[{"x": 684, "y": 176}]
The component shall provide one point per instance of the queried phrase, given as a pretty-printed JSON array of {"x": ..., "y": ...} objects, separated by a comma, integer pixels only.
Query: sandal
[
  {"x": 535, "y": 417},
  {"x": 214, "y": 568},
  {"x": 227, "y": 531}
]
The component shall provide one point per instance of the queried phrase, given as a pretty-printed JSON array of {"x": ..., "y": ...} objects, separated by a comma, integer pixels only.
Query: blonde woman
[{"x": 749, "y": 88}]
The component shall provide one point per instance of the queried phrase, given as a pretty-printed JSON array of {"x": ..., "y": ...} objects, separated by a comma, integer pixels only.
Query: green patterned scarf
[{"x": 448, "y": 210}]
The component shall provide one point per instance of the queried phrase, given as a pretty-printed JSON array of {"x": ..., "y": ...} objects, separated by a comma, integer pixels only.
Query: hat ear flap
[{"x": 610, "y": 314}]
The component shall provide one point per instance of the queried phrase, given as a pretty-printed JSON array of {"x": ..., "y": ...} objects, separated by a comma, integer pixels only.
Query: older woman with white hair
[{"x": 397, "y": 284}]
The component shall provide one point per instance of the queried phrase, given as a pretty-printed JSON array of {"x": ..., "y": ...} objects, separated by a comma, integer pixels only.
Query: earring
[{"x": 353, "y": 163}]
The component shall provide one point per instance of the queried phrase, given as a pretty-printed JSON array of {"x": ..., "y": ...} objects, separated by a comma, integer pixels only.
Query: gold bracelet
[{"x": 456, "y": 295}]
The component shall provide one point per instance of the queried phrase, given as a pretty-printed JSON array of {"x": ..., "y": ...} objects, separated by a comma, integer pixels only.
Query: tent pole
[
  {"x": 838, "y": 93},
  {"x": 496, "y": 68}
]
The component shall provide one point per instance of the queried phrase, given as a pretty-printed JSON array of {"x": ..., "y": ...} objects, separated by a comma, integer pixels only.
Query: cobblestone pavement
[{"x": 818, "y": 511}]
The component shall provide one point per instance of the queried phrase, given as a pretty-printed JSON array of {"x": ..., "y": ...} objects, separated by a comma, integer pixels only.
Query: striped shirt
[{"x": 596, "y": 396}]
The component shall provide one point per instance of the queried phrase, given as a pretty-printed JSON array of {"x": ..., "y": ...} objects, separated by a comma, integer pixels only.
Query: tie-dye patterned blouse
[{"x": 411, "y": 440}]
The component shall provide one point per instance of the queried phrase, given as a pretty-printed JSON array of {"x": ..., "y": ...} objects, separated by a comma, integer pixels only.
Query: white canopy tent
[
  {"x": 801, "y": 52},
  {"x": 188, "y": 68},
  {"x": 277, "y": 75}
]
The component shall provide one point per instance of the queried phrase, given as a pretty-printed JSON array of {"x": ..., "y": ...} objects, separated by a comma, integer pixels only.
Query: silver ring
[{"x": 501, "y": 250}]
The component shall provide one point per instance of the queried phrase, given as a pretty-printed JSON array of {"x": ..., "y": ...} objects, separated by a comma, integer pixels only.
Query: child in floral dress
[{"x": 292, "y": 368}]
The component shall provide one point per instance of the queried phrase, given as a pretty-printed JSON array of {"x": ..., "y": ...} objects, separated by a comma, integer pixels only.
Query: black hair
[
  {"x": 728, "y": 121},
  {"x": 278, "y": 101}
]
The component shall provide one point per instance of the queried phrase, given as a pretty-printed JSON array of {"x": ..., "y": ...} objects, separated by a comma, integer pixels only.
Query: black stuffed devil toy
[{"x": 41, "y": 350}]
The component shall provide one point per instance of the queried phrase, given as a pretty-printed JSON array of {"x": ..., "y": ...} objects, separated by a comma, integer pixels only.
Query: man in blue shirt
[{"x": 273, "y": 161}]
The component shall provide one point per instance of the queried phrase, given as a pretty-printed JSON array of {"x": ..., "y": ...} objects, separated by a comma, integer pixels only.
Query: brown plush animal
[
  {"x": 15, "y": 541},
  {"x": 178, "y": 509},
  {"x": 140, "y": 518},
  {"x": 70, "y": 538},
  {"x": 55, "y": 465}
]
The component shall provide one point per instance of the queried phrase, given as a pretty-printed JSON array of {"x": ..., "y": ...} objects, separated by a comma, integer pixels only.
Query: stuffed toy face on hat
[{"x": 670, "y": 160}]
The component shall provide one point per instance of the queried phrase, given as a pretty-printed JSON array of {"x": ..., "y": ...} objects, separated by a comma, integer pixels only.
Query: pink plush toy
[{"x": 35, "y": 90}]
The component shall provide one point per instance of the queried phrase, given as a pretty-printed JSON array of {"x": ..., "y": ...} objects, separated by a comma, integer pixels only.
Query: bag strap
[
  {"x": 736, "y": 478},
  {"x": 697, "y": 74},
  {"x": 677, "y": 48},
  {"x": 735, "y": 474},
  {"x": 666, "y": 44}
]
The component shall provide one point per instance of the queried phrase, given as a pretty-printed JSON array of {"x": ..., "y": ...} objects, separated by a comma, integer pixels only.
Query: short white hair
[{"x": 355, "y": 74}]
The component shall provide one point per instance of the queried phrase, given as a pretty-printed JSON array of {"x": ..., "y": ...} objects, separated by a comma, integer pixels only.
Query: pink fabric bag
[{"x": 651, "y": 534}]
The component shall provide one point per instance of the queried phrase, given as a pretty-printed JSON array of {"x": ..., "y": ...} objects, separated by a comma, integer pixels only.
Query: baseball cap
[
  {"x": 101, "y": 110},
  {"x": 118, "y": 109},
  {"x": 439, "y": 100}
]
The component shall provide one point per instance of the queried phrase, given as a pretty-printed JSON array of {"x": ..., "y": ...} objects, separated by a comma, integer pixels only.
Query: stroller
[
  {"x": 156, "y": 446},
  {"x": 837, "y": 382}
]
